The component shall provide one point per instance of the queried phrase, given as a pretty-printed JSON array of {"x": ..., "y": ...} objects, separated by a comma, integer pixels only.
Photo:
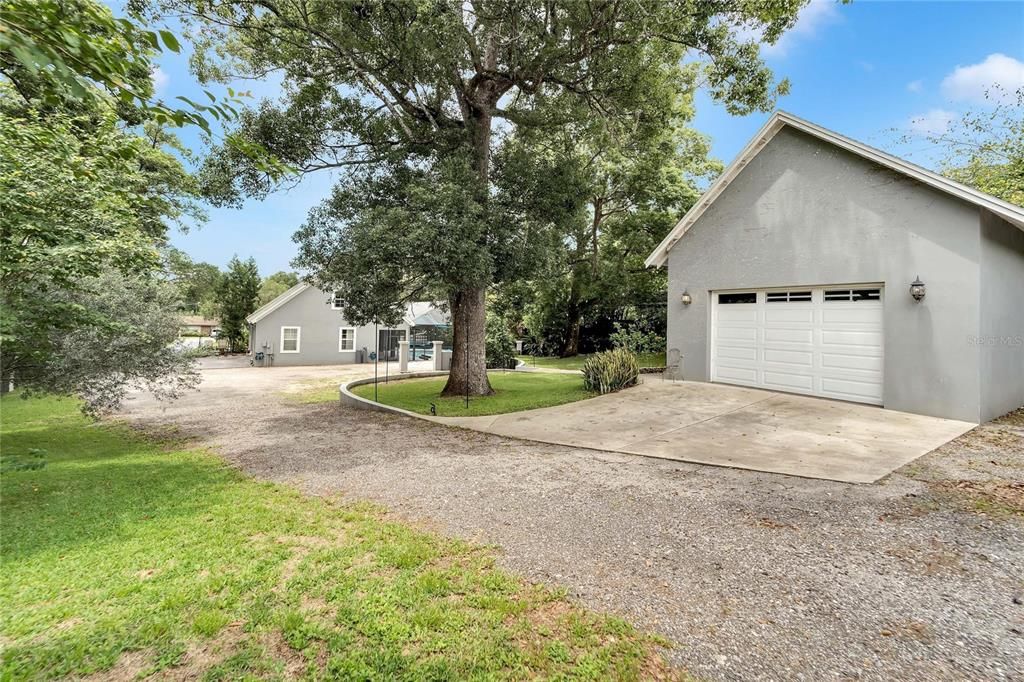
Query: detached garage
[{"x": 818, "y": 265}]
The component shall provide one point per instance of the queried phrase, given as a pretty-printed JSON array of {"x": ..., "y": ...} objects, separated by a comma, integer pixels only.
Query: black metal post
[
  {"x": 466, "y": 346},
  {"x": 387, "y": 359},
  {"x": 376, "y": 357}
]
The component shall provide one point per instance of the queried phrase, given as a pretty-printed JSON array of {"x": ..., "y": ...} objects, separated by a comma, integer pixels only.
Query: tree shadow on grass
[{"x": 99, "y": 484}]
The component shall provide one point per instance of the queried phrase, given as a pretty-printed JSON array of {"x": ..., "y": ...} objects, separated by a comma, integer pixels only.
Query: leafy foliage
[
  {"x": 122, "y": 339},
  {"x": 238, "y": 296},
  {"x": 275, "y": 285},
  {"x": 637, "y": 338},
  {"x": 198, "y": 283},
  {"x": 501, "y": 346},
  {"x": 610, "y": 371},
  {"x": 67, "y": 213},
  {"x": 382, "y": 239},
  {"x": 86, "y": 207},
  {"x": 67, "y": 53},
  {"x": 627, "y": 192},
  {"x": 985, "y": 148}
]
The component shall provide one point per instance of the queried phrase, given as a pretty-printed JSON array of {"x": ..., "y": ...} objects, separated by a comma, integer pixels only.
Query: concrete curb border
[{"x": 347, "y": 397}]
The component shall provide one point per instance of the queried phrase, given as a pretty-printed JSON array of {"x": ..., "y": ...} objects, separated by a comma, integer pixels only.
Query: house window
[
  {"x": 290, "y": 339},
  {"x": 853, "y": 294},
  {"x": 337, "y": 303},
  {"x": 743, "y": 297},
  {"x": 787, "y": 296},
  {"x": 346, "y": 339}
]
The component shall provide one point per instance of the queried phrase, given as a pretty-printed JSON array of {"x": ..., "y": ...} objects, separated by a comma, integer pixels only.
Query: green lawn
[
  {"x": 513, "y": 392},
  {"x": 127, "y": 556},
  {"x": 576, "y": 362}
]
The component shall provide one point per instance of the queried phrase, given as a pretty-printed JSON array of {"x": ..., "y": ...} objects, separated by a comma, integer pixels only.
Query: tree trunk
[
  {"x": 468, "y": 373},
  {"x": 7, "y": 364},
  {"x": 595, "y": 230},
  {"x": 573, "y": 321}
]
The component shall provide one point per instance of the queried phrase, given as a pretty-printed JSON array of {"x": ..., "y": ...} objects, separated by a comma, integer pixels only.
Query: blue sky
[{"x": 866, "y": 70}]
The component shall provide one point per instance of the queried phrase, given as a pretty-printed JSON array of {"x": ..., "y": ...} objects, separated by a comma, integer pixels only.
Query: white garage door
[{"x": 824, "y": 341}]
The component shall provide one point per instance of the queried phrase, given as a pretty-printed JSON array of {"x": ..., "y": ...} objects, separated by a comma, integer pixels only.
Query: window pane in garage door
[{"x": 743, "y": 297}]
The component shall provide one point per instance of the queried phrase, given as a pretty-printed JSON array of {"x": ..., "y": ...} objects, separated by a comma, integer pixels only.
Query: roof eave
[{"x": 261, "y": 312}]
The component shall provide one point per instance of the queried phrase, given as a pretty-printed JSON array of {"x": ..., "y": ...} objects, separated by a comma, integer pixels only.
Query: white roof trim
[
  {"x": 780, "y": 119},
  {"x": 261, "y": 312}
]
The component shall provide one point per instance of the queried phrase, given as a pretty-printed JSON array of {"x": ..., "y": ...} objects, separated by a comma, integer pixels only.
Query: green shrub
[
  {"x": 638, "y": 338},
  {"x": 500, "y": 346},
  {"x": 610, "y": 371}
]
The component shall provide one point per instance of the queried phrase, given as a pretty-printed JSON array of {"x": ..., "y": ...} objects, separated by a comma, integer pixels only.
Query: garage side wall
[
  {"x": 806, "y": 213},
  {"x": 1001, "y": 339},
  {"x": 311, "y": 310}
]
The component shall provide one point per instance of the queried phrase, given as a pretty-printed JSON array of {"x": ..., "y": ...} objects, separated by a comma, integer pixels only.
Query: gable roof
[
  {"x": 781, "y": 119},
  {"x": 264, "y": 310},
  {"x": 417, "y": 312}
]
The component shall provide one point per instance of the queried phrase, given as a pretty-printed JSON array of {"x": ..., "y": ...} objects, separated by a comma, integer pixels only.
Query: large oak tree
[{"x": 425, "y": 89}]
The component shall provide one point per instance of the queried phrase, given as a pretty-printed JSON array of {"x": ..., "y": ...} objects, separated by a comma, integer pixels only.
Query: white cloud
[
  {"x": 933, "y": 122},
  {"x": 812, "y": 19},
  {"x": 969, "y": 83},
  {"x": 915, "y": 86},
  {"x": 160, "y": 80}
]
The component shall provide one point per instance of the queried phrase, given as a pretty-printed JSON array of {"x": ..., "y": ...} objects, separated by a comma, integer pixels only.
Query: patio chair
[{"x": 673, "y": 365}]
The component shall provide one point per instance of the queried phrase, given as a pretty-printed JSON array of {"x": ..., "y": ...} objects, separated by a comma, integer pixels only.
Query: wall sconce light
[
  {"x": 917, "y": 289},
  {"x": 686, "y": 298}
]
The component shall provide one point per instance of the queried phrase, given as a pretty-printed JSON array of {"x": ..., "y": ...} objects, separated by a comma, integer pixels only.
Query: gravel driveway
[{"x": 750, "y": 575}]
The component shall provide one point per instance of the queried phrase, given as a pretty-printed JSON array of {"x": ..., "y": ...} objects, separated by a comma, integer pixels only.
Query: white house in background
[
  {"x": 197, "y": 325},
  {"x": 305, "y": 326}
]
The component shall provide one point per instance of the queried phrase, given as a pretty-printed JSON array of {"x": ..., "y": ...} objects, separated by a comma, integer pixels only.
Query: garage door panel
[
  {"x": 728, "y": 314},
  {"x": 778, "y": 335},
  {"x": 789, "y": 357},
  {"x": 775, "y": 313},
  {"x": 731, "y": 334},
  {"x": 827, "y": 347},
  {"x": 788, "y": 381},
  {"x": 743, "y": 375},
  {"x": 738, "y": 353},
  {"x": 849, "y": 389},
  {"x": 868, "y": 363}
]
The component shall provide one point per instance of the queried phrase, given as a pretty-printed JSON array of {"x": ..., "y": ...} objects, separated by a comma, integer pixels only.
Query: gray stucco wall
[
  {"x": 806, "y": 213},
  {"x": 311, "y": 310},
  {"x": 1001, "y": 333}
]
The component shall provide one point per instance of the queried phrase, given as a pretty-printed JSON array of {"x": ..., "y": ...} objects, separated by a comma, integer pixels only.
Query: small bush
[
  {"x": 610, "y": 371},
  {"x": 500, "y": 345},
  {"x": 638, "y": 338}
]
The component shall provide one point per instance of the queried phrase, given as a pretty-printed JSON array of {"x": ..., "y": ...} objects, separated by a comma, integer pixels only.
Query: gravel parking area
[{"x": 750, "y": 575}]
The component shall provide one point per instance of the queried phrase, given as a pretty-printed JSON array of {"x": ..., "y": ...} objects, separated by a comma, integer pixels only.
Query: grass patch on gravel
[
  {"x": 980, "y": 471},
  {"x": 321, "y": 391},
  {"x": 576, "y": 361},
  {"x": 513, "y": 392},
  {"x": 124, "y": 557}
]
